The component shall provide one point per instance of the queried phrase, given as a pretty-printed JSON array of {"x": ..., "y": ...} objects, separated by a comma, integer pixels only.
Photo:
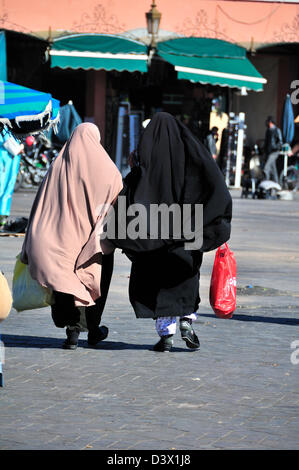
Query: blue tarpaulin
[
  {"x": 9, "y": 167},
  {"x": 69, "y": 119},
  {"x": 26, "y": 111},
  {"x": 288, "y": 126},
  {"x": 3, "y": 65}
]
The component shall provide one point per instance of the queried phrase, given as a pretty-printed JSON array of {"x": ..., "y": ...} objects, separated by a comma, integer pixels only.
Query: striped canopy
[
  {"x": 99, "y": 52},
  {"x": 26, "y": 111},
  {"x": 212, "y": 61}
]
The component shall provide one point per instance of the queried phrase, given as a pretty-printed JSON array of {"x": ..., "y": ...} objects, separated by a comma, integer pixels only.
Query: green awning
[
  {"x": 99, "y": 51},
  {"x": 211, "y": 61}
]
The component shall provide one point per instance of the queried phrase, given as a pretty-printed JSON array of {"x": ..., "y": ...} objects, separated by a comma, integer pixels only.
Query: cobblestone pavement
[{"x": 240, "y": 391}]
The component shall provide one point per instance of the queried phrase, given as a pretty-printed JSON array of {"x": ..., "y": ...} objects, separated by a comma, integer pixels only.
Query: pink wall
[{"x": 236, "y": 21}]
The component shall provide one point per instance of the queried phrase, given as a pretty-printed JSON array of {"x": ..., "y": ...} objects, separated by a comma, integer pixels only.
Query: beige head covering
[{"x": 62, "y": 244}]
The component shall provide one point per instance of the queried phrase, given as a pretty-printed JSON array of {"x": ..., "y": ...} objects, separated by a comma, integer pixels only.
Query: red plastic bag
[{"x": 223, "y": 287}]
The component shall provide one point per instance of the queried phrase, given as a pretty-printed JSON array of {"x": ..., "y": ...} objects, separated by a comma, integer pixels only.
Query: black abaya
[{"x": 174, "y": 168}]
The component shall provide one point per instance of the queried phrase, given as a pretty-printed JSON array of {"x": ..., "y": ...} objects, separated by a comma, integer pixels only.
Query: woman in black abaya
[{"x": 172, "y": 167}]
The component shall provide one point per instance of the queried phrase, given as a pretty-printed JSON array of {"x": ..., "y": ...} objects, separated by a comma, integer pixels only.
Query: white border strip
[
  {"x": 99, "y": 55},
  {"x": 220, "y": 74}
]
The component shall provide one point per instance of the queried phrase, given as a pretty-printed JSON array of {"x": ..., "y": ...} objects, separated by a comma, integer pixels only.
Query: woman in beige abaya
[{"x": 62, "y": 245}]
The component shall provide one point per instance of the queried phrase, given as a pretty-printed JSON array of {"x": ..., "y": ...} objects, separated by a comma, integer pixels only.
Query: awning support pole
[{"x": 239, "y": 156}]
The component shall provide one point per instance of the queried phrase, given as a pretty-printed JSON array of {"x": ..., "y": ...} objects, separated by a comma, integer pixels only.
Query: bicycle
[{"x": 290, "y": 181}]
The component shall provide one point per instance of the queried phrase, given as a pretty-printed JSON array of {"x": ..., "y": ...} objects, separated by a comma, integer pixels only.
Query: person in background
[
  {"x": 62, "y": 246},
  {"x": 10, "y": 156},
  {"x": 272, "y": 148},
  {"x": 210, "y": 141}
]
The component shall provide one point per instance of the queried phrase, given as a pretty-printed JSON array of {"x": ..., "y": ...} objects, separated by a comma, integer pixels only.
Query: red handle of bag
[{"x": 223, "y": 286}]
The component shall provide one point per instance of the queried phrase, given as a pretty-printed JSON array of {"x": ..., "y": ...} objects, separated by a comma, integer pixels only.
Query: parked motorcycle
[
  {"x": 253, "y": 174},
  {"x": 290, "y": 180},
  {"x": 35, "y": 161}
]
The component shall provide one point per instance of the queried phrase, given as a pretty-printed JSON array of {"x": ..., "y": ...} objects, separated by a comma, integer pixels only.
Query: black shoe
[
  {"x": 71, "y": 341},
  {"x": 188, "y": 334},
  {"x": 95, "y": 337},
  {"x": 165, "y": 344}
]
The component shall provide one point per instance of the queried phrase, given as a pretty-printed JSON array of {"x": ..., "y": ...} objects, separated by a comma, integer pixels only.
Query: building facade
[{"x": 268, "y": 32}]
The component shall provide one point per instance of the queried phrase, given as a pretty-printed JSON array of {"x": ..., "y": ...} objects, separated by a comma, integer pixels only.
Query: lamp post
[{"x": 153, "y": 18}]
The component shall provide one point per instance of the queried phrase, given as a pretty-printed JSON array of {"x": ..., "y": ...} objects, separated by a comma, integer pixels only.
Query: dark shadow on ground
[
  {"x": 40, "y": 342},
  {"x": 256, "y": 318}
]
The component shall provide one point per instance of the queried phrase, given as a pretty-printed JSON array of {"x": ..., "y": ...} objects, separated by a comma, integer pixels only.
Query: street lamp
[{"x": 153, "y": 18}]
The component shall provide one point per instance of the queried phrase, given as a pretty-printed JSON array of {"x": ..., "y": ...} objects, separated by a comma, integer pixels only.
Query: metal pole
[{"x": 239, "y": 150}]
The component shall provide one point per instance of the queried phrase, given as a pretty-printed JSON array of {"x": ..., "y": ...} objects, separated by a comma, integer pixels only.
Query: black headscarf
[{"x": 175, "y": 168}]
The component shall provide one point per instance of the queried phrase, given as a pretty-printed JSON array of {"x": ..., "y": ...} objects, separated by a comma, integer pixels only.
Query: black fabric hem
[{"x": 143, "y": 312}]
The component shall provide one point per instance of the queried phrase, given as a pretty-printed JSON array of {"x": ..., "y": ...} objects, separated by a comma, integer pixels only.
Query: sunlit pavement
[{"x": 240, "y": 391}]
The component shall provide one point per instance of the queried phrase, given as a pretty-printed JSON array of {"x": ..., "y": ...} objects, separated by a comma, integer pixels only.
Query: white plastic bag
[
  {"x": 12, "y": 146},
  {"x": 26, "y": 292}
]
